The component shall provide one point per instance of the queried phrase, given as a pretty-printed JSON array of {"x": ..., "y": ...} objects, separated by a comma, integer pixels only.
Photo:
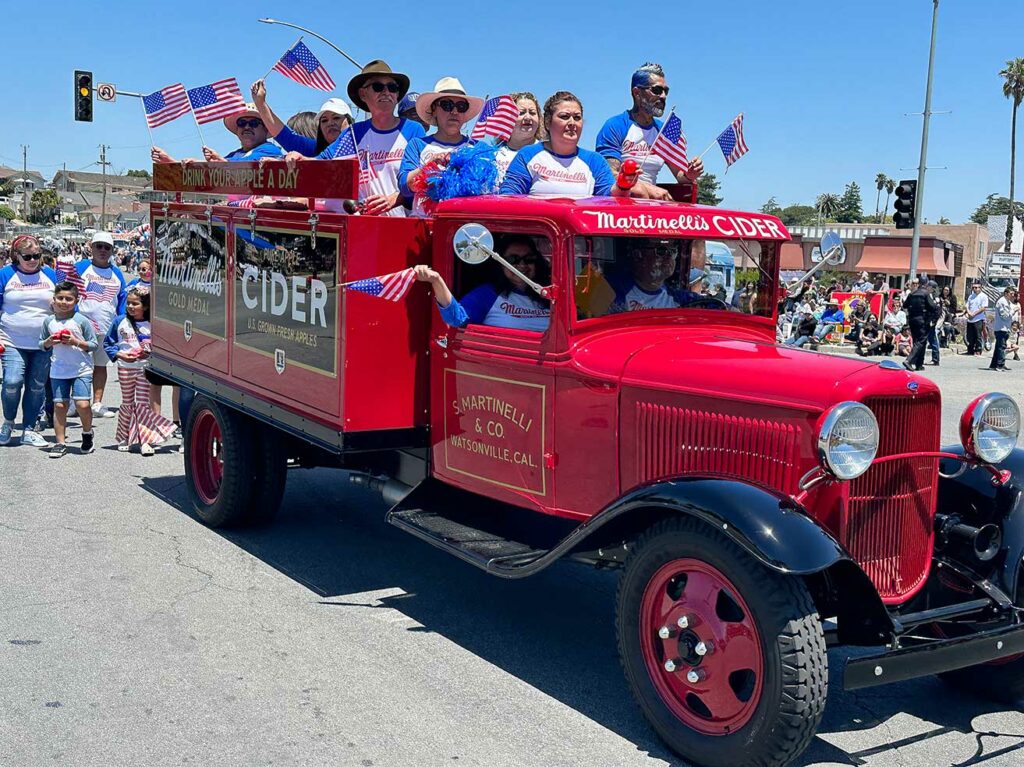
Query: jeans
[
  {"x": 933, "y": 344},
  {"x": 999, "y": 354},
  {"x": 25, "y": 374},
  {"x": 974, "y": 337},
  {"x": 823, "y": 330},
  {"x": 792, "y": 341}
]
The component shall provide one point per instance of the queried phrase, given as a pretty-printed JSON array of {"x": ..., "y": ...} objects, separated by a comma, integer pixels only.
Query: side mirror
[
  {"x": 831, "y": 247},
  {"x": 474, "y": 244}
]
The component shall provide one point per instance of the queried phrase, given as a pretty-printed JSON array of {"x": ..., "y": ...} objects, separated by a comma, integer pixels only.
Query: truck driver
[{"x": 652, "y": 262}]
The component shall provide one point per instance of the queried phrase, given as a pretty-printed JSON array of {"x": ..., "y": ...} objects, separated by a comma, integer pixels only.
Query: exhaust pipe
[
  {"x": 391, "y": 490},
  {"x": 985, "y": 541}
]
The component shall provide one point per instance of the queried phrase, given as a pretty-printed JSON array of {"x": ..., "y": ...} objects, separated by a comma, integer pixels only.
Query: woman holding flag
[
  {"x": 527, "y": 130},
  {"x": 333, "y": 117}
]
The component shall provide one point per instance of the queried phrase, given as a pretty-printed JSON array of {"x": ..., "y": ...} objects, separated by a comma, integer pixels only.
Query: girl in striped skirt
[{"x": 128, "y": 345}]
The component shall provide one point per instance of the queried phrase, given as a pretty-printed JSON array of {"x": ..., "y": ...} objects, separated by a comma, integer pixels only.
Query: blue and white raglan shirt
[
  {"x": 622, "y": 139},
  {"x": 266, "y": 149},
  {"x": 417, "y": 154},
  {"x": 123, "y": 337},
  {"x": 504, "y": 158},
  {"x": 104, "y": 296},
  {"x": 296, "y": 142},
  {"x": 67, "y": 362},
  {"x": 485, "y": 306},
  {"x": 138, "y": 281},
  {"x": 25, "y": 301},
  {"x": 384, "y": 150},
  {"x": 630, "y": 297},
  {"x": 542, "y": 173}
]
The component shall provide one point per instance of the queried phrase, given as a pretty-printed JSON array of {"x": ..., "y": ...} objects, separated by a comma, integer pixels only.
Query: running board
[{"x": 503, "y": 540}]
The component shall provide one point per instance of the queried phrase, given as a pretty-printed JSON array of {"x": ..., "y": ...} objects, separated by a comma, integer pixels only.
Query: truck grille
[
  {"x": 889, "y": 518},
  {"x": 672, "y": 441}
]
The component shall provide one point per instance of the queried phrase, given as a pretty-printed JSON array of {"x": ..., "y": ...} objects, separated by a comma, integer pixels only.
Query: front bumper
[{"x": 933, "y": 658}]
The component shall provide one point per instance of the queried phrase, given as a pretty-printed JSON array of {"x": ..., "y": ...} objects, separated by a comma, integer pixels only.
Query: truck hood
[{"x": 707, "y": 361}]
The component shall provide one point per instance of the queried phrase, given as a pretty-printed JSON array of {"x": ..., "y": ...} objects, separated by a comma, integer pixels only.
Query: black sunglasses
[
  {"x": 662, "y": 251},
  {"x": 30, "y": 256},
  {"x": 527, "y": 258},
  {"x": 447, "y": 105},
  {"x": 102, "y": 246},
  {"x": 378, "y": 87},
  {"x": 657, "y": 90},
  {"x": 253, "y": 122}
]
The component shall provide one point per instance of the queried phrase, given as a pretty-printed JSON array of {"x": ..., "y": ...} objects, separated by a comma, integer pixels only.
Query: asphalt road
[{"x": 132, "y": 635}]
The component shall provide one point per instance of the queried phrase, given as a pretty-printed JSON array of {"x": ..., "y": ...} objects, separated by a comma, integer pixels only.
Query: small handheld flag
[
  {"x": 392, "y": 287},
  {"x": 497, "y": 118},
  {"x": 670, "y": 145},
  {"x": 299, "y": 64},
  {"x": 165, "y": 105},
  {"x": 731, "y": 141},
  {"x": 216, "y": 100}
]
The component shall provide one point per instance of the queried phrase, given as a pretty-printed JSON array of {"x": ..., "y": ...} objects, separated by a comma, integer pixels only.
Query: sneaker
[
  {"x": 145, "y": 449},
  {"x": 59, "y": 450},
  {"x": 87, "y": 443},
  {"x": 99, "y": 410},
  {"x": 176, "y": 434},
  {"x": 33, "y": 439},
  {"x": 5, "y": 433},
  {"x": 122, "y": 447}
]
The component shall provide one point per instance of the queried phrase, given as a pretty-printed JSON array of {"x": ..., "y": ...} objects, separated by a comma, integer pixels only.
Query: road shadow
[{"x": 554, "y": 631}]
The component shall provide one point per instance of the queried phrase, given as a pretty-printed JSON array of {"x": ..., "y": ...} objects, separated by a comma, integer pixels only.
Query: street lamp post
[
  {"x": 915, "y": 240},
  {"x": 314, "y": 34}
]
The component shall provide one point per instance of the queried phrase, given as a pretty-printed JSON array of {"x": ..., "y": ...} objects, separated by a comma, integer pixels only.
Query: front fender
[{"x": 979, "y": 501}]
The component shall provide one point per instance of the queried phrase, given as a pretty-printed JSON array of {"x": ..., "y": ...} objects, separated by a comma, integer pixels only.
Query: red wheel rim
[
  {"x": 206, "y": 456},
  {"x": 715, "y": 693}
]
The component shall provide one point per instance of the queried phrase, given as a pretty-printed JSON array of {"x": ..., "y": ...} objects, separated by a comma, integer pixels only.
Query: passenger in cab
[
  {"x": 332, "y": 118},
  {"x": 558, "y": 167},
  {"x": 528, "y": 130},
  {"x": 509, "y": 303},
  {"x": 631, "y": 135},
  {"x": 652, "y": 262},
  {"x": 448, "y": 108},
  {"x": 252, "y": 135}
]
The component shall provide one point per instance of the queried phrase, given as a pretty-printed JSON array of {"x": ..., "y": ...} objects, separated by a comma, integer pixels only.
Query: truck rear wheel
[
  {"x": 726, "y": 658},
  {"x": 270, "y": 465},
  {"x": 218, "y": 463}
]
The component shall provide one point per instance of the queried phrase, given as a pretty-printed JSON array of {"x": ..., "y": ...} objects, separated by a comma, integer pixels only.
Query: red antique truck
[{"x": 761, "y": 502}]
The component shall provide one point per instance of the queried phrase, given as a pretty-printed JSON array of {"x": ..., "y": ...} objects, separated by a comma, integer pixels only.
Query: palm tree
[
  {"x": 828, "y": 205},
  {"x": 890, "y": 187},
  {"x": 880, "y": 180},
  {"x": 1013, "y": 89}
]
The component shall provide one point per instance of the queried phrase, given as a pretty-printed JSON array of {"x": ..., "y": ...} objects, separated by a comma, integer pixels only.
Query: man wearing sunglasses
[
  {"x": 102, "y": 300},
  {"x": 252, "y": 135},
  {"x": 651, "y": 263},
  {"x": 631, "y": 134}
]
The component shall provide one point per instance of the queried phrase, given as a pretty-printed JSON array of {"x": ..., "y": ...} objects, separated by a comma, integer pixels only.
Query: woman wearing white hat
[
  {"x": 448, "y": 108},
  {"x": 332, "y": 118}
]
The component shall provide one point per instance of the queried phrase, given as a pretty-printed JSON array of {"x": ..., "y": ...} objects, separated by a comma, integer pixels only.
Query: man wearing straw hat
[{"x": 631, "y": 135}]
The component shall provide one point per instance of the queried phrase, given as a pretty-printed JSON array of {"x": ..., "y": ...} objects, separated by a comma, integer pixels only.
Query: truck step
[{"x": 503, "y": 540}]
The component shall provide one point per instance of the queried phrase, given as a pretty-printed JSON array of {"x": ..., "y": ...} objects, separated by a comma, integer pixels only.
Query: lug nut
[
  {"x": 693, "y": 676},
  {"x": 683, "y": 622},
  {"x": 666, "y": 633},
  {"x": 704, "y": 648},
  {"x": 671, "y": 665}
]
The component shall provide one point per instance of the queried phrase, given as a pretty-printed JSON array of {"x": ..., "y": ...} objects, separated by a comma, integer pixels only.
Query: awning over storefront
[{"x": 894, "y": 258}]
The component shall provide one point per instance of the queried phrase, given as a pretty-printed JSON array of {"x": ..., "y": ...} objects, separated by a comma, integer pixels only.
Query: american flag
[
  {"x": 497, "y": 119},
  {"x": 102, "y": 292},
  {"x": 65, "y": 269},
  {"x": 165, "y": 105},
  {"x": 392, "y": 287},
  {"x": 345, "y": 149},
  {"x": 216, "y": 100},
  {"x": 670, "y": 145},
  {"x": 299, "y": 64},
  {"x": 731, "y": 141}
]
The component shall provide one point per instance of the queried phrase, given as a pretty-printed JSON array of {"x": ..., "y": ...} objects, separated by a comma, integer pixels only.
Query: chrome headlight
[
  {"x": 848, "y": 440},
  {"x": 989, "y": 427}
]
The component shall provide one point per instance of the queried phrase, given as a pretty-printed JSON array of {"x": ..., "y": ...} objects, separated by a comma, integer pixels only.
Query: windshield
[{"x": 628, "y": 274}]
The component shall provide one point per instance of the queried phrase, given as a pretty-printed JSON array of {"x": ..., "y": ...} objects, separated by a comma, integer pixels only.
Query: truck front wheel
[
  {"x": 726, "y": 659},
  {"x": 218, "y": 463}
]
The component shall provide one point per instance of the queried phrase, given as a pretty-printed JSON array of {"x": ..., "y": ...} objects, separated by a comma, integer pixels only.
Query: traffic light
[
  {"x": 905, "y": 205},
  {"x": 83, "y": 96}
]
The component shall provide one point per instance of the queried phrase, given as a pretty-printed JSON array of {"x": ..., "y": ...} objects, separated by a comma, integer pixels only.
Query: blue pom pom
[{"x": 471, "y": 172}]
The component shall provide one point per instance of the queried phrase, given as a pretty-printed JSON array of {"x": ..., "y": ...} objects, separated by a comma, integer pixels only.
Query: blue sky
[{"x": 824, "y": 85}]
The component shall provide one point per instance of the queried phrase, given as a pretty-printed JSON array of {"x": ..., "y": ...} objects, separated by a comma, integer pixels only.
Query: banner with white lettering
[{"x": 189, "y": 274}]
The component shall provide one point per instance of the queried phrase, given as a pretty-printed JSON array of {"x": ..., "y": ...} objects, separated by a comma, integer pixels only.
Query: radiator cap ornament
[{"x": 913, "y": 385}]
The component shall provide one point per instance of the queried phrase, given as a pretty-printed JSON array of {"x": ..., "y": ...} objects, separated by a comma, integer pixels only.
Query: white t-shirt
[
  {"x": 417, "y": 154},
  {"x": 622, "y": 139},
  {"x": 503, "y": 159},
  {"x": 540, "y": 173},
  {"x": 104, "y": 295},
  {"x": 70, "y": 361},
  {"x": 129, "y": 340},
  {"x": 638, "y": 299},
  {"x": 26, "y": 303},
  {"x": 518, "y": 310},
  {"x": 975, "y": 303}
]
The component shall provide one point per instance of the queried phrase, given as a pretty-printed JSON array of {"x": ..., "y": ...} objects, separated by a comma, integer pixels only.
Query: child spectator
[
  {"x": 128, "y": 345},
  {"x": 1013, "y": 342},
  {"x": 71, "y": 339},
  {"x": 902, "y": 342}
]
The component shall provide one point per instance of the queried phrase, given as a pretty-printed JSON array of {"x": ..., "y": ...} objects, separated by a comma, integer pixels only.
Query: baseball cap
[
  {"x": 409, "y": 102},
  {"x": 335, "y": 105},
  {"x": 102, "y": 237}
]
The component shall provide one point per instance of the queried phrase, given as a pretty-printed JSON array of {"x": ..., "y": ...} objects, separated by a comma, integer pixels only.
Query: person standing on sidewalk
[
  {"x": 922, "y": 312},
  {"x": 977, "y": 305},
  {"x": 1001, "y": 327},
  {"x": 933, "y": 332},
  {"x": 102, "y": 300}
]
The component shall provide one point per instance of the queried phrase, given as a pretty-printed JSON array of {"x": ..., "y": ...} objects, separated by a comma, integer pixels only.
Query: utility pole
[
  {"x": 24, "y": 181},
  {"x": 915, "y": 240},
  {"x": 103, "y": 164}
]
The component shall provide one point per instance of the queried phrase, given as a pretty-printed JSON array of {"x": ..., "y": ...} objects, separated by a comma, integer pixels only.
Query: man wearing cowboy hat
[
  {"x": 448, "y": 108},
  {"x": 252, "y": 135},
  {"x": 382, "y": 139}
]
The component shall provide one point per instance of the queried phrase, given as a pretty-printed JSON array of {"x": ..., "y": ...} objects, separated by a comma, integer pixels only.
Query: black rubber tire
[
  {"x": 235, "y": 495},
  {"x": 270, "y": 465},
  {"x": 795, "y": 677}
]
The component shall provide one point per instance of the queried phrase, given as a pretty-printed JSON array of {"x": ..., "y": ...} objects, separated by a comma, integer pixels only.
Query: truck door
[{"x": 492, "y": 380}]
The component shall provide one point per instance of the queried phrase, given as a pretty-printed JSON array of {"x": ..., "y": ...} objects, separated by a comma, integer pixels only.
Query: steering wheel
[{"x": 707, "y": 302}]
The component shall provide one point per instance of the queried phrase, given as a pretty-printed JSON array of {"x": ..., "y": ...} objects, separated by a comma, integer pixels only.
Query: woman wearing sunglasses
[
  {"x": 507, "y": 304},
  {"x": 449, "y": 108},
  {"x": 26, "y": 293},
  {"x": 558, "y": 167}
]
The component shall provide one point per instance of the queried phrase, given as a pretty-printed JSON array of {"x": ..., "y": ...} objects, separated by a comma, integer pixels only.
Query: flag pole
[
  {"x": 152, "y": 140},
  {"x": 650, "y": 147},
  {"x": 273, "y": 68},
  {"x": 710, "y": 146},
  {"x": 202, "y": 139}
]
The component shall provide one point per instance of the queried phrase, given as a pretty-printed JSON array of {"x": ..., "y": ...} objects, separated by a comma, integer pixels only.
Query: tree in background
[
  {"x": 880, "y": 180},
  {"x": 851, "y": 207},
  {"x": 7, "y": 187},
  {"x": 708, "y": 188},
  {"x": 1013, "y": 89},
  {"x": 798, "y": 215},
  {"x": 944, "y": 221},
  {"x": 772, "y": 207},
  {"x": 890, "y": 187},
  {"x": 139, "y": 174},
  {"x": 7, "y": 213},
  {"x": 44, "y": 204},
  {"x": 828, "y": 206},
  {"x": 994, "y": 205}
]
